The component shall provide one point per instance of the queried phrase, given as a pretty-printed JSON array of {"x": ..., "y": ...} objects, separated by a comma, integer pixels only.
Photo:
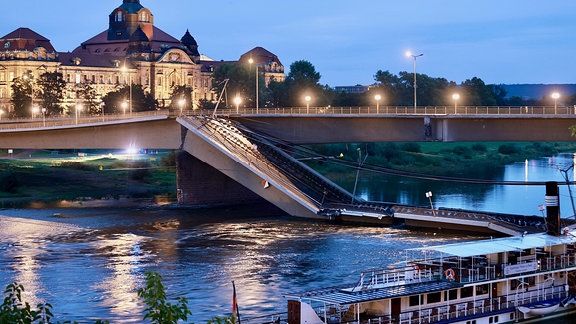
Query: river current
[{"x": 89, "y": 263}]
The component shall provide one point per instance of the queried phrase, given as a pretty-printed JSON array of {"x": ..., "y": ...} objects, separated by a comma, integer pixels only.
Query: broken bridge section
[{"x": 261, "y": 165}]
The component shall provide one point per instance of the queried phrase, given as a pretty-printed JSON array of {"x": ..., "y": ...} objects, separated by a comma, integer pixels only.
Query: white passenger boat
[{"x": 500, "y": 280}]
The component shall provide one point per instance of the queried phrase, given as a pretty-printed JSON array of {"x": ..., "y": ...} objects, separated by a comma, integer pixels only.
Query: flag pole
[{"x": 235, "y": 310}]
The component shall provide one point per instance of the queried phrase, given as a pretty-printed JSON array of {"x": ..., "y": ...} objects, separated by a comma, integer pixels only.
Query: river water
[{"x": 89, "y": 263}]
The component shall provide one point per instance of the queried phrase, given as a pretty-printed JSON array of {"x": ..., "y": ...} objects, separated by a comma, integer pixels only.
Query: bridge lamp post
[
  {"x": 256, "y": 69},
  {"x": 43, "y": 117},
  {"x": 429, "y": 196},
  {"x": 35, "y": 111},
  {"x": 28, "y": 76},
  {"x": 78, "y": 108},
  {"x": 555, "y": 96},
  {"x": 456, "y": 97},
  {"x": 409, "y": 54},
  {"x": 377, "y": 98},
  {"x": 1, "y": 112},
  {"x": 125, "y": 70},
  {"x": 307, "y": 99},
  {"x": 181, "y": 103},
  {"x": 237, "y": 101},
  {"x": 124, "y": 106}
]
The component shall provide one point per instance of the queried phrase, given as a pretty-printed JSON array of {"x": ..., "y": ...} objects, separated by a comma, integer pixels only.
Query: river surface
[{"x": 89, "y": 263}]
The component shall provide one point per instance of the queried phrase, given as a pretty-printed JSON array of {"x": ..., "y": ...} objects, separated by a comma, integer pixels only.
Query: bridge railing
[
  {"x": 404, "y": 110},
  {"x": 39, "y": 121}
]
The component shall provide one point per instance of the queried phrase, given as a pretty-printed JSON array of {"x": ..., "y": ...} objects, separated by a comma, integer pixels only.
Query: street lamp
[
  {"x": 78, "y": 107},
  {"x": 181, "y": 103},
  {"x": 125, "y": 70},
  {"x": 429, "y": 195},
  {"x": 44, "y": 116},
  {"x": 409, "y": 54},
  {"x": 124, "y": 106},
  {"x": 256, "y": 68},
  {"x": 555, "y": 96},
  {"x": 377, "y": 98},
  {"x": 35, "y": 112},
  {"x": 237, "y": 101},
  {"x": 1, "y": 112},
  {"x": 307, "y": 98},
  {"x": 28, "y": 76},
  {"x": 456, "y": 97}
]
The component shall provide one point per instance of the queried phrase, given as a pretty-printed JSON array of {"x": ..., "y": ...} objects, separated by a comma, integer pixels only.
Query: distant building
[
  {"x": 352, "y": 89},
  {"x": 131, "y": 49}
]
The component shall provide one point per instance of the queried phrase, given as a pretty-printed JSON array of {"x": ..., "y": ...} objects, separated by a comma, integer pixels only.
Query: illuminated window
[{"x": 119, "y": 16}]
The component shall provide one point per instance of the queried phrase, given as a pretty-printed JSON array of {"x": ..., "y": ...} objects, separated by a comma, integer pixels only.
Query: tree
[
  {"x": 22, "y": 96},
  {"x": 239, "y": 84},
  {"x": 89, "y": 99},
  {"x": 181, "y": 92},
  {"x": 51, "y": 92},
  {"x": 115, "y": 101},
  {"x": 301, "y": 80}
]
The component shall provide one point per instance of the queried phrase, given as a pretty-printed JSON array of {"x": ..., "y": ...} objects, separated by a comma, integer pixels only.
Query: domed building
[{"x": 131, "y": 50}]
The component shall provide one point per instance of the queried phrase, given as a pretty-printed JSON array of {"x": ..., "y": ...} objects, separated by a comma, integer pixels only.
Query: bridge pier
[{"x": 199, "y": 184}]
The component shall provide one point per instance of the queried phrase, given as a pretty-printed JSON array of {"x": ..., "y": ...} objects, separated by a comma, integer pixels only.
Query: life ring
[
  {"x": 416, "y": 269},
  {"x": 449, "y": 274}
]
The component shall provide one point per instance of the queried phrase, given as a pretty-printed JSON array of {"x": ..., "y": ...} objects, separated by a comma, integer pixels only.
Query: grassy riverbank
[
  {"x": 54, "y": 176},
  {"x": 437, "y": 158}
]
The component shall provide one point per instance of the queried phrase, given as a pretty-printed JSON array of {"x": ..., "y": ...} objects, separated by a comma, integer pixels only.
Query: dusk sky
[{"x": 499, "y": 41}]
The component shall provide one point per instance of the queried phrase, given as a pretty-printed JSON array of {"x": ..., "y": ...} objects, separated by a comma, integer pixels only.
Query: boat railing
[
  {"x": 458, "y": 309},
  {"x": 397, "y": 276}
]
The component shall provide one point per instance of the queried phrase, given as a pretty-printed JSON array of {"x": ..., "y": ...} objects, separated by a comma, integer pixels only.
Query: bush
[
  {"x": 13, "y": 310},
  {"x": 479, "y": 147},
  {"x": 507, "y": 149},
  {"x": 9, "y": 182},
  {"x": 411, "y": 147},
  {"x": 159, "y": 310}
]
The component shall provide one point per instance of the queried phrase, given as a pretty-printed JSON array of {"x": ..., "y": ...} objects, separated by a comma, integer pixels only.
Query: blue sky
[{"x": 499, "y": 41}]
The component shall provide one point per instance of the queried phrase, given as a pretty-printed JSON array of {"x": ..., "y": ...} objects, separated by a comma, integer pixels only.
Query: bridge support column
[{"x": 202, "y": 185}]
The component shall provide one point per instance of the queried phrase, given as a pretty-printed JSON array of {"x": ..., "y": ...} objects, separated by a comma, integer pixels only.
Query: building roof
[
  {"x": 260, "y": 55},
  {"x": 504, "y": 244},
  {"x": 100, "y": 44},
  {"x": 131, "y": 6},
  {"x": 24, "y": 39}
]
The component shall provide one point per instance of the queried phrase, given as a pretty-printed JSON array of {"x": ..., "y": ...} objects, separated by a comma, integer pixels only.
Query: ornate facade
[{"x": 132, "y": 49}]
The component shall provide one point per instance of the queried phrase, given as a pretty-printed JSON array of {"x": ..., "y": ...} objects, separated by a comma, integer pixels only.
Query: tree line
[
  {"x": 395, "y": 90},
  {"x": 235, "y": 80}
]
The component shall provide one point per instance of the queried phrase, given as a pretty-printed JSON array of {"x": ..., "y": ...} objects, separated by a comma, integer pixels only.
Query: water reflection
[{"x": 513, "y": 199}]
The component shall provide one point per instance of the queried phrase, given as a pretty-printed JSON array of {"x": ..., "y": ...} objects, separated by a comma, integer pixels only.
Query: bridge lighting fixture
[
  {"x": 181, "y": 104},
  {"x": 414, "y": 56},
  {"x": 307, "y": 99},
  {"x": 237, "y": 101},
  {"x": 456, "y": 97},
  {"x": 377, "y": 98},
  {"x": 256, "y": 69},
  {"x": 125, "y": 70},
  {"x": 78, "y": 108},
  {"x": 555, "y": 96},
  {"x": 124, "y": 106},
  {"x": 43, "y": 116}
]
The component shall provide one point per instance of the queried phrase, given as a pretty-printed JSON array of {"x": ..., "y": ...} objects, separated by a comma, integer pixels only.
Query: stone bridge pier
[{"x": 199, "y": 184}]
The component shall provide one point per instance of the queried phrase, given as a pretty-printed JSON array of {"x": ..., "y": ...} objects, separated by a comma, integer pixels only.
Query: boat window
[
  {"x": 415, "y": 300},
  {"x": 451, "y": 294},
  {"x": 481, "y": 289},
  {"x": 496, "y": 319},
  {"x": 433, "y": 298},
  {"x": 466, "y": 292}
]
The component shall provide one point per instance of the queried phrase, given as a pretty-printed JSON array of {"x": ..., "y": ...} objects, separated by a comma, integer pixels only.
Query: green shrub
[
  {"x": 158, "y": 310},
  {"x": 14, "y": 310},
  {"x": 507, "y": 149},
  {"x": 9, "y": 182}
]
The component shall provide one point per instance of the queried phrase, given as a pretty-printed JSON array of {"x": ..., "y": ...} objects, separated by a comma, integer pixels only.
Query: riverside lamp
[
  {"x": 409, "y": 54},
  {"x": 307, "y": 99}
]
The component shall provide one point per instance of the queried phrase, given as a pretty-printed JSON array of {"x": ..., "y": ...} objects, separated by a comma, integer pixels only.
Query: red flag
[{"x": 235, "y": 311}]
